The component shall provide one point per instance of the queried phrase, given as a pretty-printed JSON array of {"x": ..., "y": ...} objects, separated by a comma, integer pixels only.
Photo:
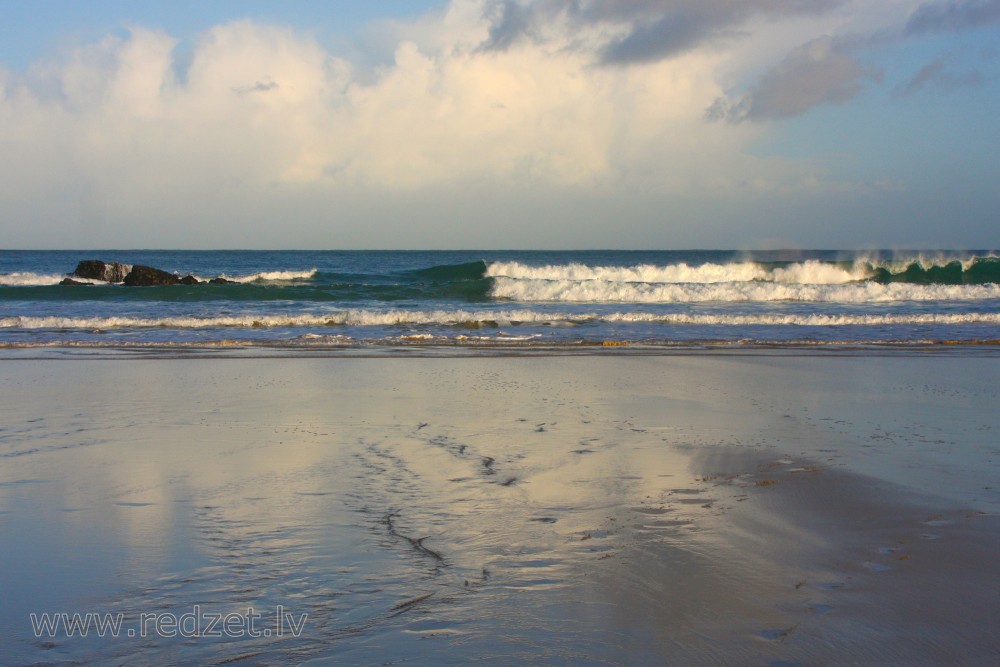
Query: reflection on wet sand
[{"x": 687, "y": 510}]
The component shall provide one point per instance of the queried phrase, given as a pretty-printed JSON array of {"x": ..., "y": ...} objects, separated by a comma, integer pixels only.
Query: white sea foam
[
  {"x": 268, "y": 276},
  {"x": 808, "y": 272},
  {"x": 490, "y": 318},
  {"x": 814, "y": 272},
  {"x": 643, "y": 273},
  {"x": 811, "y": 272},
  {"x": 812, "y": 320},
  {"x": 28, "y": 279},
  {"x": 605, "y": 291}
]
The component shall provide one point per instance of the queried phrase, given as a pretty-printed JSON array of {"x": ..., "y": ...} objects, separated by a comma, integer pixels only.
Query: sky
[{"x": 500, "y": 124}]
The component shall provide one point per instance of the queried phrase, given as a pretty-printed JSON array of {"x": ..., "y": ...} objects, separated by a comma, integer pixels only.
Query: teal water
[{"x": 363, "y": 299}]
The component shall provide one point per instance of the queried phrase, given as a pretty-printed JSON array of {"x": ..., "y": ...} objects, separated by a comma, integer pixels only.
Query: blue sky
[{"x": 500, "y": 123}]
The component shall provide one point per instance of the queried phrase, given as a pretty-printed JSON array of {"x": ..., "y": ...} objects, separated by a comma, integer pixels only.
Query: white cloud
[
  {"x": 266, "y": 120},
  {"x": 264, "y": 106}
]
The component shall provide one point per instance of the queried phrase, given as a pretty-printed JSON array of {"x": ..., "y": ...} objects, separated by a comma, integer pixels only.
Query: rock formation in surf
[
  {"x": 142, "y": 276},
  {"x": 95, "y": 269},
  {"x": 136, "y": 275}
]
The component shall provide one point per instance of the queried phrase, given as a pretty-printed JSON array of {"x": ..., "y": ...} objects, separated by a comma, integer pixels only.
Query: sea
[{"x": 506, "y": 300}]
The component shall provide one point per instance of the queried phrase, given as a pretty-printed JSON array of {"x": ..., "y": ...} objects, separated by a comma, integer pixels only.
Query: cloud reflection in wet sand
[{"x": 561, "y": 510}]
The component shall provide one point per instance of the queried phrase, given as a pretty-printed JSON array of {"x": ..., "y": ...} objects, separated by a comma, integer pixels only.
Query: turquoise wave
[{"x": 981, "y": 271}]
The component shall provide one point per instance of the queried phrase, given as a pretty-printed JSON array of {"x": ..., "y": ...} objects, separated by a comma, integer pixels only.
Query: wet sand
[{"x": 746, "y": 510}]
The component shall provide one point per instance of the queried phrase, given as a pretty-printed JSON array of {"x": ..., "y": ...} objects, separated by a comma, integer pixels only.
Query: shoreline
[{"x": 450, "y": 350}]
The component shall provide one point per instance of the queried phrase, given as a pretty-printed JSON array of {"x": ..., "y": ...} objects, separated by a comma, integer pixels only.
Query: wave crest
[
  {"x": 466, "y": 319},
  {"x": 621, "y": 292},
  {"x": 813, "y": 272},
  {"x": 28, "y": 279},
  {"x": 273, "y": 276},
  {"x": 940, "y": 269},
  {"x": 643, "y": 273}
]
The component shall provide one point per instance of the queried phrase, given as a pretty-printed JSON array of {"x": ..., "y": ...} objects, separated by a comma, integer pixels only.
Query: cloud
[
  {"x": 511, "y": 21},
  {"x": 953, "y": 15},
  {"x": 937, "y": 74},
  {"x": 263, "y": 111},
  {"x": 681, "y": 26},
  {"x": 640, "y": 31},
  {"x": 821, "y": 71},
  {"x": 258, "y": 87},
  {"x": 668, "y": 36},
  {"x": 829, "y": 69}
]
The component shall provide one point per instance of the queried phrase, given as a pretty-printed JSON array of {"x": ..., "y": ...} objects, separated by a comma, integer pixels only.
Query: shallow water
[{"x": 558, "y": 510}]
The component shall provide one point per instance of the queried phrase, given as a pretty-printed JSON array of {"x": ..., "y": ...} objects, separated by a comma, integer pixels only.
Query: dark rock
[
  {"x": 144, "y": 276},
  {"x": 95, "y": 269},
  {"x": 90, "y": 268},
  {"x": 133, "y": 276}
]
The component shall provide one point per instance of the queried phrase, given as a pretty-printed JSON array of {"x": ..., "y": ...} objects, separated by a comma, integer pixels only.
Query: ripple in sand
[
  {"x": 833, "y": 585},
  {"x": 652, "y": 510},
  {"x": 536, "y": 563},
  {"x": 430, "y": 628},
  {"x": 19, "y": 482},
  {"x": 876, "y": 567},
  {"x": 779, "y": 634},
  {"x": 938, "y": 522},
  {"x": 670, "y": 523}
]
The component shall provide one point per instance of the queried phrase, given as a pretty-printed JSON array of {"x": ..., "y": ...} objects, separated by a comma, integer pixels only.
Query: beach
[
  {"x": 762, "y": 508},
  {"x": 499, "y": 332}
]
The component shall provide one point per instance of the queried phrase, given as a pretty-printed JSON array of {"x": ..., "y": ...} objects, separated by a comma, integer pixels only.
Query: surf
[
  {"x": 490, "y": 318},
  {"x": 604, "y": 291},
  {"x": 917, "y": 270}
]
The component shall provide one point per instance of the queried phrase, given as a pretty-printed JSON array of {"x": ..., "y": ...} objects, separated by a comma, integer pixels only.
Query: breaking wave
[
  {"x": 28, "y": 279},
  {"x": 813, "y": 272},
  {"x": 918, "y": 270},
  {"x": 272, "y": 276},
  {"x": 489, "y": 318},
  {"x": 605, "y": 291},
  {"x": 544, "y": 297}
]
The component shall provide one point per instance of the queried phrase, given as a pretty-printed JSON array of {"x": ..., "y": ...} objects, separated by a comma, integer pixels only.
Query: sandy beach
[{"x": 692, "y": 509}]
